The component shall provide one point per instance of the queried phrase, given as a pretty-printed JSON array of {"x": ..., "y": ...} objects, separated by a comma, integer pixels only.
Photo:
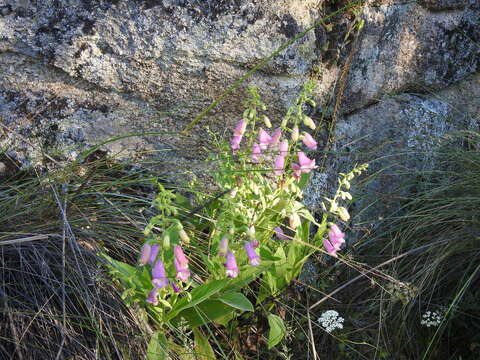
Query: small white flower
[
  {"x": 432, "y": 318},
  {"x": 330, "y": 320}
]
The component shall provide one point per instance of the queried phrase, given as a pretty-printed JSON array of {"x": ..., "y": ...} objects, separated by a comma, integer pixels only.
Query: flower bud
[
  {"x": 295, "y": 134},
  {"x": 184, "y": 236},
  {"x": 251, "y": 232},
  {"x": 309, "y": 122},
  {"x": 343, "y": 213},
  {"x": 294, "y": 221},
  {"x": 267, "y": 122},
  {"x": 223, "y": 248}
]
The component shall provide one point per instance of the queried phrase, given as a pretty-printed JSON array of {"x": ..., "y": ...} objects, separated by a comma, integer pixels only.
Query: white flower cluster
[
  {"x": 432, "y": 318},
  {"x": 330, "y": 320}
]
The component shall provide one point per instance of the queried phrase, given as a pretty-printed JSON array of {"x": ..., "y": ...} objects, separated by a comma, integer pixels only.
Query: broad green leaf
[
  {"x": 157, "y": 347},
  {"x": 281, "y": 265},
  {"x": 277, "y": 330},
  {"x": 206, "y": 312},
  {"x": 266, "y": 254},
  {"x": 123, "y": 270},
  {"x": 203, "y": 349},
  {"x": 303, "y": 181},
  {"x": 236, "y": 300},
  {"x": 198, "y": 295}
]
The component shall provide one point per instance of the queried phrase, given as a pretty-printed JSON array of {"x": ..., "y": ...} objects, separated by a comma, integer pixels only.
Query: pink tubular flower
[
  {"x": 231, "y": 266},
  {"x": 145, "y": 254},
  {"x": 335, "y": 233},
  {"x": 181, "y": 264},
  {"x": 153, "y": 297},
  {"x": 305, "y": 165},
  {"x": 331, "y": 249},
  {"x": 159, "y": 276},
  {"x": 263, "y": 139},
  {"x": 277, "y": 134},
  {"x": 253, "y": 257},
  {"x": 309, "y": 141},
  {"x": 175, "y": 287},
  {"x": 223, "y": 248},
  {"x": 240, "y": 128},
  {"x": 235, "y": 142},
  {"x": 334, "y": 241},
  {"x": 283, "y": 148},
  {"x": 180, "y": 256},
  {"x": 279, "y": 165},
  {"x": 256, "y": 151},
  {"x": 280, "y": 234},
  {"x": 153, "y": 253}
]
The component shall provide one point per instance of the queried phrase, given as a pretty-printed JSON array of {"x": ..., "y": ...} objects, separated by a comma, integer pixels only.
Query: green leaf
[
  {"x": 318, "y": 238},
  {"x": 266, "y": 254},
  {"x": 236, "y": 300},
  {"x": 281, "y": 265},
  {"x": 157, "y": 347},
  {"x": 303, "y": 180},
  {"x": 199, "y": 294},
  {"x": 307, "y": 215},
  {"x": 203, "y": 349},
  {"x": 277, "y": 330},
  {"x": 206, "y": 312},
  {"x": 123, "y": 270}
]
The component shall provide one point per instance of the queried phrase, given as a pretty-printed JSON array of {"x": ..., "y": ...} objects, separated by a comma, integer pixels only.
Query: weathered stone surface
[
  {"x": 398, "y": 133},
  {"x": 405, "y": 47},
  {"x": 115, "y": 67},
  {"x": 445, "y": 4}
]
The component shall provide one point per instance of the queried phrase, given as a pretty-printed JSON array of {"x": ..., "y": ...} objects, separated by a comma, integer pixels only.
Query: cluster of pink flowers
[
  {"x": 274, "y": 144},
  {"x": 160, "y": 280},
  {"x": 267, "y": 142},
  {"x": 335, "y": 240},
  {"x": 231, "y": 267}
]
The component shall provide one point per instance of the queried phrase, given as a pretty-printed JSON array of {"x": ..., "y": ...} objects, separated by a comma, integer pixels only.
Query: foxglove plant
[{"x": 230, "y": 238}]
